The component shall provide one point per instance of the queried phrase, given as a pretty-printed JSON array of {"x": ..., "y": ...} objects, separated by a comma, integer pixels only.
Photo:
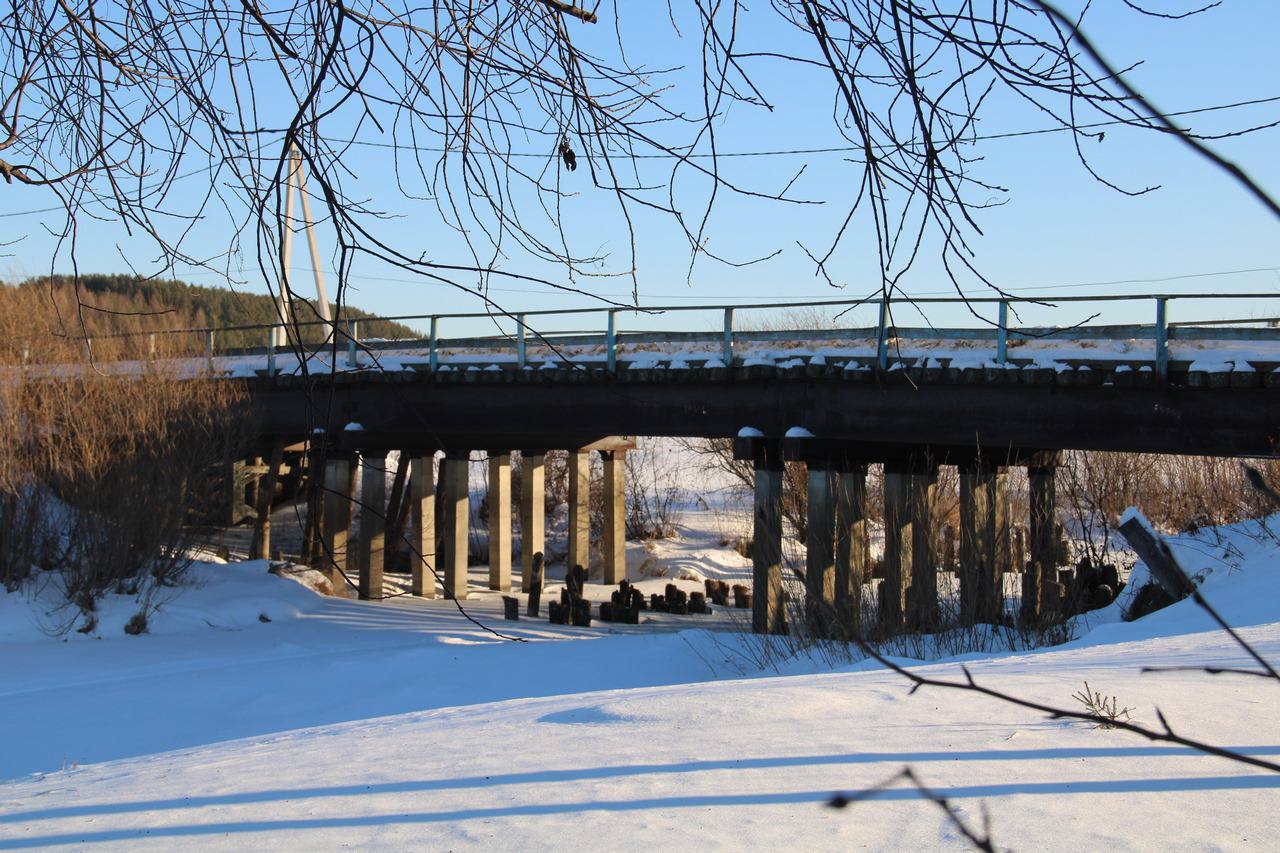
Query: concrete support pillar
[
  {"x": 1042, "y": 497},
  {"x": 897, "y": 547},
  {"x": 579, "y": 510},
  {"x": 393, "y": 537},
  {"x": 985, "y": 547},
  {"x": 768, "y": 615},
  {"x": 615, "y": 516},
  {"x": 820, "y": 568},
  {"x": 500, "y": 521},
  {"x": 853, "y": 546},
  {"x": 373, "y": 519},
  {"x": 260, "y": 545},
  {"x": 456, "y": 519},
  {"x": 533, "y": 508},
  {"x": 422, "y": 525},
  {"x": 336, "y": 529},
  {"x": 924, "y": 549}
]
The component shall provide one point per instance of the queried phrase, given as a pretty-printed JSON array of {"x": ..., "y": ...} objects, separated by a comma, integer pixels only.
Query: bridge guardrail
[{"x": 1000, "y": 333}]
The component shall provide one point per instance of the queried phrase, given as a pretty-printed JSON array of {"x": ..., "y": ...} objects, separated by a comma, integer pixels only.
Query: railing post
[
  {"x": 435, "y": 343},
  {"x": 611, "y": 341},
  {"x": 521, "y": 358},
  {"x": 1162, "y": 339},
  {"x": 353, "y": 335},
  {"x": 151, "y": 346},
  {"x": 1002, "y": 333},
  {"x": 727, "y": 353},
  {"x": 208, "y": 348},
  {"x": 882, "y": 335}
]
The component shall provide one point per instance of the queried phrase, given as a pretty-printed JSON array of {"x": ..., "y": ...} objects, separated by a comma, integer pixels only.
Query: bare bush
[
  {"x": 100, "y": 474},
  {"x": 653, "y": 492},
  {"x": 1182, "y": 493}
]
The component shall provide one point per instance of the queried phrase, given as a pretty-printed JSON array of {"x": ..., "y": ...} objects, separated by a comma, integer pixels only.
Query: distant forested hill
[{"x": 122, "y": 303}]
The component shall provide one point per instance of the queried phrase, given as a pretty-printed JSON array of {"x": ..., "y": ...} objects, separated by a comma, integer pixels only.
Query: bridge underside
[
  {"x": 478, "y": 410},
  {"x": 912, "y": 421}
]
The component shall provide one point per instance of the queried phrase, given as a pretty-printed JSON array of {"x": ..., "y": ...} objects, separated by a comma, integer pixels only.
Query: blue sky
[{"x": 1058, "y": 227}]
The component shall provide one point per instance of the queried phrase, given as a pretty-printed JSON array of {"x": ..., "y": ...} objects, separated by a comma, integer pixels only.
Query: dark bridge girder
[{"x": 541, "y": 412}]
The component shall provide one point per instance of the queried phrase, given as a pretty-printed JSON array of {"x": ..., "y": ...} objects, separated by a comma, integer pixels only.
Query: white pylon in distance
[{"x": 297, "y": 179}]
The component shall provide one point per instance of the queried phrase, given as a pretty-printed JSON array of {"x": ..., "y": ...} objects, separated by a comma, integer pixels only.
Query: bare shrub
[
  {"x": 1182, "y": 493},
  {"x": 101, "y": 473},
  {"x": 1104, "y": 707},
  {"x": 653, "y": 492}
]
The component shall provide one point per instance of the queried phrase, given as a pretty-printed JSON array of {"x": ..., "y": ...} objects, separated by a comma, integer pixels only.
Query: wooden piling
[{"x": 534, "y": 586}]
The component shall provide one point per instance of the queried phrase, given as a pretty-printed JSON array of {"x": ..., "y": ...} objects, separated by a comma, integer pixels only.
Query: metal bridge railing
[{"x": 999, "y": 333}]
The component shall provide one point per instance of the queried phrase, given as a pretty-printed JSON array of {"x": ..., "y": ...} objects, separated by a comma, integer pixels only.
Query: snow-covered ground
[{"x": 400, "y": 724}]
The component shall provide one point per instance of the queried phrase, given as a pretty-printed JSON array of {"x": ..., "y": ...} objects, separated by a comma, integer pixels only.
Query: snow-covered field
[{"x": 394, "y": 725}]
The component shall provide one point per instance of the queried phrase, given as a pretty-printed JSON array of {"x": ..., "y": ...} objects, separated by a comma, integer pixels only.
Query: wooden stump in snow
[{"x": 535, "y": 584}]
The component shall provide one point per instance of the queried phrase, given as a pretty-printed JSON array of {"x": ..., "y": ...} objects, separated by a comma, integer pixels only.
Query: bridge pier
[
  {"x": 456, "y": 519},
  {"x": 335, "y": 530},
  {"x": 768, "y": 612},
  {"x": 1042, "y": 469},
  {"x": 264, "y": 497},
  {"x": 373, "y": 510},
  {"x": 615, "y": 516},
  {"x": 500, "y": 521},
  {"x": 820, "y": 567},
  {"x": 579, "y": 464},
  {"x": 909, "y": 592},
  {"x": 533, "y": 507},
  {"x": 984, "y": 541},
  {"x": 923, "y": 592},
  {"x": 897, "y": 547},
  {"x": 852, "y": 544},
  {"x": 422, "y": 525}
]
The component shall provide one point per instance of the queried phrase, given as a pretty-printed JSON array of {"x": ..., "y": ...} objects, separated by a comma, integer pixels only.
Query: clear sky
[{"x": 1059, "y": 229}]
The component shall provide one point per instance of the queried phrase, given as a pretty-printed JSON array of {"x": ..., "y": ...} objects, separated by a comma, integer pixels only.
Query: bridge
[{"x": 983, "y": 396}]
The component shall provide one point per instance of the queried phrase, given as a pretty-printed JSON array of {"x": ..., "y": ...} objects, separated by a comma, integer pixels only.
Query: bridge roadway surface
[{"x": 1118, "y": 406}]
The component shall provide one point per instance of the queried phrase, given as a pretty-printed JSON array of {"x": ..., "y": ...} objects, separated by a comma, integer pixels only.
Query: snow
[{"x": 399, "y": 724}]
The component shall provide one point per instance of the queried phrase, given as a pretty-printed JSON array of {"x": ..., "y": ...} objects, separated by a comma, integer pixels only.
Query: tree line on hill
[{"x": 120, "y": 304}]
